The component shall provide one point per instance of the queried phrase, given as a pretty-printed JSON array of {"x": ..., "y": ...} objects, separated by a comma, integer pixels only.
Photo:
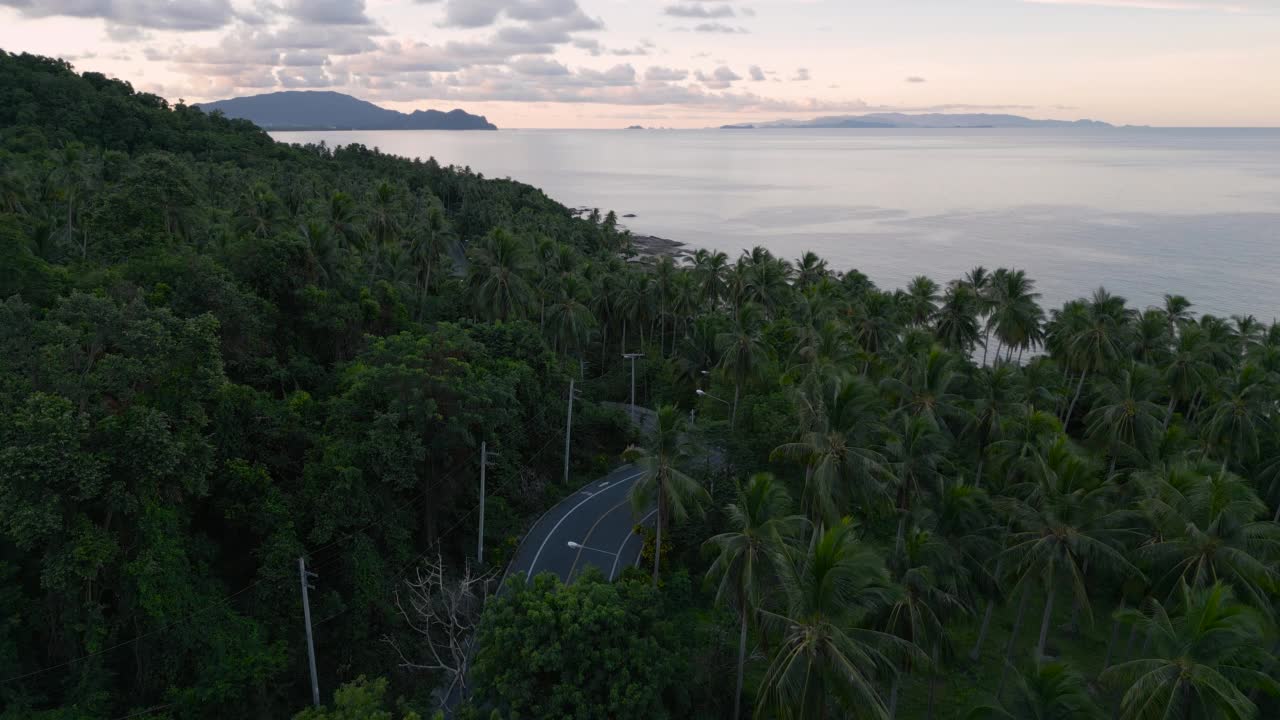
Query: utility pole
[
  {"x": 306, "y": 614},
  {"x": 484, "y": 461},
  {"x": 568, "y": 432}
]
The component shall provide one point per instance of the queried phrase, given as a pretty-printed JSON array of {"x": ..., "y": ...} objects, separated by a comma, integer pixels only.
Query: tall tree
[
  {"x": 662, "y": 483},
  {"x": 1203, "y": 662},
  {"x": 746, "y": 555}
]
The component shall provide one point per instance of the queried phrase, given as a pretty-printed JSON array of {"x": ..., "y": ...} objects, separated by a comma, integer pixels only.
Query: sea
[{"x": 1139, "y": 211}]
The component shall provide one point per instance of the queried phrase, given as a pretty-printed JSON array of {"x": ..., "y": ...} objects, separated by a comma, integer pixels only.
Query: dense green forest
[{"x": 219, "y": 353}]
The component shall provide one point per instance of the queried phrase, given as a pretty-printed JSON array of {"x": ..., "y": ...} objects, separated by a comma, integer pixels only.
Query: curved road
[{"x": 599, "y": 518}]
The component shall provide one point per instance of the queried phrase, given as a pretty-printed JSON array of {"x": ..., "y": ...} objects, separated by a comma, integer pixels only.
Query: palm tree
[
  {"x": 1101, "y": 341},
  {"x": 1177, "y": 310},
  {"x": 927, "y": 388},
  {"x": 742, "y": 353},
  {"x": 810, "y": 269},
  {"x": 1188, "y": 372},
  {"x": 497, "y": 275},
  {"x": 765, "y": 280},
  {"x": 661, "y": 483},
  {"x": 922, "y": 299},
  {"x": 875, "y": 322},
  {"x": 838, "y": 417},
  {"x": 746, "y": 555},
  {"x": 1062, "y": 523},
  {"x": 931, "y": 591},
  {"x": 955, "y": 323},
  {"x": 1044, "y": 691},
  {"x": 824, "y": 658},
  {"x": 913, "y": 454},
  {"x": 1203, "y": 660},
  {"x": 322, "y": 248},
  {"x": 999, "y": 392},
  {"x": 1236, "y": 421},
  {"x": 979, "y": 281},
  {"x": 1209, "y": 527},
  {"x": 1016, "y": 316},
  {"x": 342, "y": 219},
  {"x": 709, "y": 270},
  {"x": 569, "y": 322},
  {"x": 432, "y": 240},
  {"x": 1124, "y": 418}
]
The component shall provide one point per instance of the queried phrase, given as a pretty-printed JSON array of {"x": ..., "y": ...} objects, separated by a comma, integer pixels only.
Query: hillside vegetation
[{"x": 219, "y": 353}]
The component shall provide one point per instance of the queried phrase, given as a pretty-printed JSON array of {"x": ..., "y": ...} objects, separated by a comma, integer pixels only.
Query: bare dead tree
[{"x": 444, "y": 611}]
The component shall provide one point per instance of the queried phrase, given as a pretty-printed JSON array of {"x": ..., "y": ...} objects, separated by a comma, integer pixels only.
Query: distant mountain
[
  {"x": 932, "y": 120},
  {"x": 311, "y": 110}
]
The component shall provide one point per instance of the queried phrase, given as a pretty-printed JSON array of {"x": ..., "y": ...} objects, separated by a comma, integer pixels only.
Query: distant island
[
  {"x": 325, "y": 110},
  {"x": 931, "y": 120}
]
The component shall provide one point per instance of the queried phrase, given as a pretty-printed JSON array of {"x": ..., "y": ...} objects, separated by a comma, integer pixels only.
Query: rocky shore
[{"x": 653, "y": 247}]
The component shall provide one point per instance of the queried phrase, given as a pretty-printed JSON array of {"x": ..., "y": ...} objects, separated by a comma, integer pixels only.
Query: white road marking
[{"x": 533, "y": 565}]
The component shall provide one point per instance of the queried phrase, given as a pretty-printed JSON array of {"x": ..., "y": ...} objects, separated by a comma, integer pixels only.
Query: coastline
[{"x": 652, "y": 247}]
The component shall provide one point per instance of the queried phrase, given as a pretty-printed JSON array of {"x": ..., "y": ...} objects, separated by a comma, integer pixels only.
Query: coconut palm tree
[
  {"x": 742, "y": 353},
  {"x": 1061, "y": 523},
  {"x": 1044, "y": 691},
  {"x": 432, "y": 240},
  {"x": 498, "y": 276},
  {"x": 922, "y": 300},
  {"x": 955, "y": 323},
  {"x": 1236, "y": 421},
  {"x": 1124, "y": 419},
  {"x": 569, "y": 322},
  {"x": 825, "y": 661},
  {"x": 1203, "y": 660},
  {"x": 999, "y": 392},
  {"x": 875, "y": 322},
  {"x": 809, "y": 270},
  {"x": 839, "y": 417},
  {"x": 931, "y": 591},
  {"x": 661, "y": 482},
  {"x": 1177, "y": 310},
  {"x": 927, "y": 388},
  {"x": 1209, "y": 526},
  {"x": 1016, "y": 316},
  {"x": 343, "y": 220},
  {"x": 1100, "y": 342},
  {"x": 913, "y": 452},
  {"x": 746, "y": 555},
  {"x": 765, "y": 280},
  {"x": 1187, "y": 372},
  {"x": 709, "y": 270}
]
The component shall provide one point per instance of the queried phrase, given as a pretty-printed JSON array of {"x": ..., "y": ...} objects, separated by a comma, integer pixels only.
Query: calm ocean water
[{"x": 1139, "y": 211}]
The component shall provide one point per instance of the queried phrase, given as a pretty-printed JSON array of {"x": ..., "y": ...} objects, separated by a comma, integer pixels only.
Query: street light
[
  {"x": 632, "y": 357},
  {"x": 705, "y": 394},
  {"x": 579, "y": 546}
]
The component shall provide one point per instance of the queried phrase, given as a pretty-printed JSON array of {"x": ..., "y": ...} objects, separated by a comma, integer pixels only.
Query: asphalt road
[{"x": 599, "y": 518}]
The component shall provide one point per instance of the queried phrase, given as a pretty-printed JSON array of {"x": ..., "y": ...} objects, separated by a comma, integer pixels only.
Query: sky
[{"x": 690, "y": 63}]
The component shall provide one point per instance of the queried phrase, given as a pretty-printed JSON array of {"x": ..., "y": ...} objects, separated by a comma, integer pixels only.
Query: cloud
[
  {"x": 802, "y": 75},
  {"x": 482, "y": 13},
  {"x": 154, "y": 14},
  {"x": 694, "y": 10},
  {"x": 1174, "y": 5},
  {"x": 329, "y": 12},
  {"x": 757, "y": 75},
  {"x": 720, "y": 79},
  {"x": 538, "y": 66},
  {"x": 664, "y": 74},
  {"x": 916, "y": 79},
  {"x": 715, "y": 27}
]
